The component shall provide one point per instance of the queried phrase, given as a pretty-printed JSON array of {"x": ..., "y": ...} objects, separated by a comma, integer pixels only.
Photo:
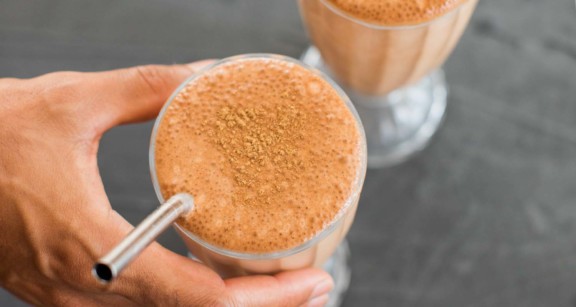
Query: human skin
[{"x": 56, "y": 219}]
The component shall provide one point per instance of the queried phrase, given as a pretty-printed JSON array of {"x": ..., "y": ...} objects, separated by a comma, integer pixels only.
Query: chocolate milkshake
[
  {"x": 275, "y": 158},
  {"x": 376, "y": 46}
]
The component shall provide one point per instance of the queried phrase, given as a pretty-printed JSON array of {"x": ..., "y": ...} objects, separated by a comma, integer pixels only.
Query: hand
[{"x": 56, "y": 219}]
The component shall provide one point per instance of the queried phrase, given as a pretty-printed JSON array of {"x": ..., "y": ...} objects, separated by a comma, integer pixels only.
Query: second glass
[{"x": 391, "y": 73}]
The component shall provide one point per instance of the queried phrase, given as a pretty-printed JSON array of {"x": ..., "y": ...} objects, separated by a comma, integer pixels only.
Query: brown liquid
[
  {"x": 362, "y": 54},
  {"x": 270, "y": 152},
  {"x": 396, "y": 12}
]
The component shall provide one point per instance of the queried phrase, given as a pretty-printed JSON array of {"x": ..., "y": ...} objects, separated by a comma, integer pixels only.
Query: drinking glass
[
  {"x": 391, "y": 73},
  {"x": 327, "y": 249}
]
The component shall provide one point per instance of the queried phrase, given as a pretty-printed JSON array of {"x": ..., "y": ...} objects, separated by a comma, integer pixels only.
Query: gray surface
[{"x": 485, "y": 216}]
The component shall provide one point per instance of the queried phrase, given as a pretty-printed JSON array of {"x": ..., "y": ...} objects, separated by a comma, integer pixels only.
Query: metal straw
[{"x": 109, "y": 266}]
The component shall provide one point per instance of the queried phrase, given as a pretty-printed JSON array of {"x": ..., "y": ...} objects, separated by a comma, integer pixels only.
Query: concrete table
[{"x": 485, "y": 216}]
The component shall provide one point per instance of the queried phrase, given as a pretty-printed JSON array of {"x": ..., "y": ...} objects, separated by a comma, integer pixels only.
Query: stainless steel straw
[{"x": 109, "y": 266}]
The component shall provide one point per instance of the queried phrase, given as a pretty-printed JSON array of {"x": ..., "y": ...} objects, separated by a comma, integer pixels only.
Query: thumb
[
  {"x": 137, "y": 93},
  {"x": 308, "y": 287}
]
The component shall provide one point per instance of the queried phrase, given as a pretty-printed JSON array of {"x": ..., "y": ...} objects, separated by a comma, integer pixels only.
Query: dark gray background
[{"x": 485, "y": 216}]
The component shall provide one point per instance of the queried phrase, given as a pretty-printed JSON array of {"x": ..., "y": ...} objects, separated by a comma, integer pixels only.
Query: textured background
[{"x": 485, "y": 216}]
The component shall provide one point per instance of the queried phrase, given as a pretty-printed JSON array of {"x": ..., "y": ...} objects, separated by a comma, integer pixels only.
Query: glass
[
  {"x": 391, "y": 73},
  {"x": 314, "y": 252}
]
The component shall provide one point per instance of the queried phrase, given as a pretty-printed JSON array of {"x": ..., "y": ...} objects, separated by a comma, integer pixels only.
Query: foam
[
  {"x": 298, "y": 183},
  {"x": 396, "y": 12}
]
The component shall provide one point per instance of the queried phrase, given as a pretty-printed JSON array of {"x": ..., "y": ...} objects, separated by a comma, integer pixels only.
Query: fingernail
[
  {"x": 318, "y": 301},
  {"x": 323, "y": 288}
]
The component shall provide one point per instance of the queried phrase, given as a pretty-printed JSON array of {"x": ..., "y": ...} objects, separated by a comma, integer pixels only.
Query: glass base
[
  {"x": 398, "y": 124},
  {"x": 338, "y": 266}
]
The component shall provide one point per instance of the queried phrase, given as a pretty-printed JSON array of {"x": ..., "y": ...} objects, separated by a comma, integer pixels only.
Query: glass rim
[
  {"x": 350, "y": 201},
  {"x": 375, "y": 26}
]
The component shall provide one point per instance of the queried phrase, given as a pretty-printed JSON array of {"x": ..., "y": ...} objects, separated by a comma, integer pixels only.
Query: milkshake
[
  {"x": 377, "y": 46},
  {"x": 274, "y": 156},
  {"x": 387, "y": 54}
]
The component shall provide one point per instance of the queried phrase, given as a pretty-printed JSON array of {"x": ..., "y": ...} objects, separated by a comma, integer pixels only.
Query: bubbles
[
  {"x": 395, "y": 12},
  {"x": 314, "y": 87},
  {"x": 296, "y": 208}
]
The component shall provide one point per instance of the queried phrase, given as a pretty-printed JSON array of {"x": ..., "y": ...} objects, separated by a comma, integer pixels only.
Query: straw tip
[
  {"x": 103, "y": 273},
  {"x": 186, "y": 199}
]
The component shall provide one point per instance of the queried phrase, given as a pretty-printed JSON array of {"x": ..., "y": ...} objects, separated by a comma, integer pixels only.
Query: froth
[
  {"x": 396, "y": 12},
  {"x": 269, "y": 150}
]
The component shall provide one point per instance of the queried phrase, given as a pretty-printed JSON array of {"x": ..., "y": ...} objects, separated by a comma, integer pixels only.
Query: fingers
[
  {"x": 110, "y": 98},
  {"x": 309, "y": 287},
  {"x": 137, "y": 93},
  {"x": 161, "y": 277},
  {"x": 140, "y": 92},
  {"x": 144, "y": 90}
]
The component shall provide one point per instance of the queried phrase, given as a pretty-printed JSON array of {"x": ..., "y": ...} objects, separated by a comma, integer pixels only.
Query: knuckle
[
  {"x": 60, "y": 98},
  {"x": 43, "y": 265},
  {"x": 49, "y": 90},
  {"x": 10, "y": 92},
  {"x": 60, "y": 88},
  {"x": 152, "y": 78},
  {"x": 57, "y": 96},
  {"x": 60, "y": 75},
  {"x": 63, "y": 265}
]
